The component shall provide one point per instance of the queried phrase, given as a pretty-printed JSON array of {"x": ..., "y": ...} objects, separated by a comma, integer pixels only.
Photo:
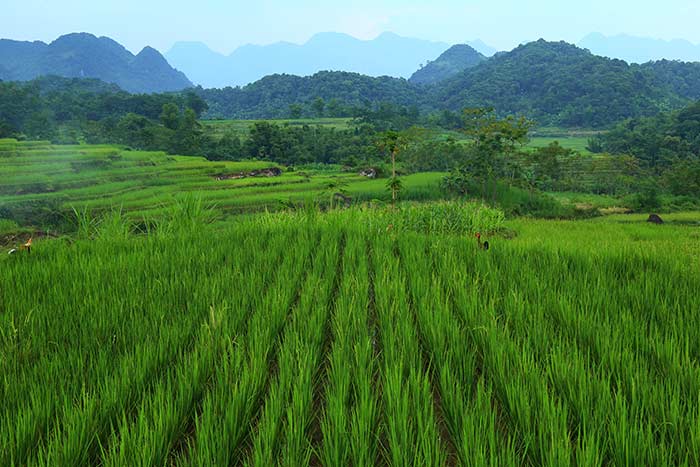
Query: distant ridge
[
  {"x": 387, "y": 55},
  {"x": 634, "y": 49},
  {"x": 82, "y": 55},
  {"x": 457, "y": 58}
]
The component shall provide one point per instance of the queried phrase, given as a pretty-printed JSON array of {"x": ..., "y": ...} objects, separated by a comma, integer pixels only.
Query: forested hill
[
  {"x": 326, "y": 93},
  {"x": 457, "y": 58},
  {"x": 73, "y": 109},
  {"x": 558, "y": 83},
  {"x": 86, "y": 56},
  {"x": 554, "y": 83}
]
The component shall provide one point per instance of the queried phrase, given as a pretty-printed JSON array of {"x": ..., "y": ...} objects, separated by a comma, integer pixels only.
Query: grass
[
  {"x": 303, "y": 338},
  {"x": 241, "y": 128},
  {"x": 576, "y": 143}
]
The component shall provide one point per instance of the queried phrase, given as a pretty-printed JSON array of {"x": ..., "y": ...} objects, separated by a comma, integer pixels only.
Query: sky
[{"x": 226, "y": 24}]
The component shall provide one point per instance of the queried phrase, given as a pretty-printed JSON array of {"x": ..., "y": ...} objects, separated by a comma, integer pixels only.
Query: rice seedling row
[
  {"x": 228, "y": 410},
  {"x": 410, "y": 421},
  {"x": 280, "y": 431},
  {"x": 348, "y": 427}
]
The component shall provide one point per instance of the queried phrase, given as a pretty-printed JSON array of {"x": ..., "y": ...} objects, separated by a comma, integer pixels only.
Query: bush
[{"x": 648, "y": 197}]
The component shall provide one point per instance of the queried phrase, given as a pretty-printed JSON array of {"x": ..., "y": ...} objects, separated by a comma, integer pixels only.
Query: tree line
[{"x": 667, "y": 145}]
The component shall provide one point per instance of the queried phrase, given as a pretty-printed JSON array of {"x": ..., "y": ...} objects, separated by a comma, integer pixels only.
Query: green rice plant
[
  {"x": 238, "y": 387},
  {"x": 85, "y": 222},
  {"x": 290, "y": 395},
  {"x": 115, "y": 225},
  {"x": 463, "y": 394},
  {"x": 345, "y": 377},
  {"x": 322, "y": 338},
  {"x": 411, "y": 424}
]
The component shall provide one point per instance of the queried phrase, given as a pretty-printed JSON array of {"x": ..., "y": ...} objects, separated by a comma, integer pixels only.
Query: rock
[
  {"x": 369, "y": 173},
  {"x": 655, "y": 219},
  {"x": 269, "y": 172}
]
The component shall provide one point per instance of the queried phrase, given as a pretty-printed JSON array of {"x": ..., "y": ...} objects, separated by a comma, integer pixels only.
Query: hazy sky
[{"x": 226, "y": 24}]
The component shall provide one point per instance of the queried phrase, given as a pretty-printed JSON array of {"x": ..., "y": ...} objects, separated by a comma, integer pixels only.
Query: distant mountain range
[
  {"x": 387, "y": 55},
  {"x": 84, "y": 55},
  {"x": 634, "y": 49},
  {"x": 555, "y": 83},
  {"x": 456, "y": 59}
]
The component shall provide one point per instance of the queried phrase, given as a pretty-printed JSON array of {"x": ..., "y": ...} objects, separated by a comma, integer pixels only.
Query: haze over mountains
[
  {"x": 387, "y": 55},
  {"x": 634, "y": 49},
  {"x": 83, "y": 55}
]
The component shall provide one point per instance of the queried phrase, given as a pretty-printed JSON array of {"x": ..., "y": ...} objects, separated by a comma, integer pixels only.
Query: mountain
[
  {"x": 560, "y": 84},
  {"x": 83, "y": 55},
  {"x": 634, "y": 49},
  {"x": 457, "y": 58},
  {"x": 387, "y": 55}
]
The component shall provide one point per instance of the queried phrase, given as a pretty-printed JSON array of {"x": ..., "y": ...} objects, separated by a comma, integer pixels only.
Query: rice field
[
  {"x": 39, "y": 176},
  {"x": 575, "y": 143},
  {"x": 241, "y": 128},
  {"x": 355, "y": 337}
]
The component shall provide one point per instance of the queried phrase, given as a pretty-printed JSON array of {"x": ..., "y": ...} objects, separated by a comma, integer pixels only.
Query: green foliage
[
  {"x": 545, "y": 165},
  {"x": 170, "y": 116},
  {"x": 493, "y": 145},
  {"x": 299, "y": 145},
  {"x": 42, "y": 182},
  {"x": 430, "y": 154},
  {"x": 295, "y": 111},
  {"x": 659, "y": 141},
  {"x": 683, "y": 177},
  {"x": 648, "y": 196},
  {"x": 394, "y": 185},
  {"x": 343, "y": 93},
  {"x": 73, "y": 110},
  {"x": 318, "y": 105},
  {"x": 560, "y": 84}
]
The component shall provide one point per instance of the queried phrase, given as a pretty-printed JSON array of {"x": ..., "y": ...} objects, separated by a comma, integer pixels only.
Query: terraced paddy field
[
  {"x": 38, "y": 176},
  {"x": 331, "y": 339}
]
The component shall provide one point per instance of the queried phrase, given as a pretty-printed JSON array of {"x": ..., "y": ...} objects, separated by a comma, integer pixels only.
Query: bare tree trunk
[{"x": 393, "y": 178}]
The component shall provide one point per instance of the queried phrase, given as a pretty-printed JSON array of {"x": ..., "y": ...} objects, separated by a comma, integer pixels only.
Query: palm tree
[{"x": 393, "y": 142}]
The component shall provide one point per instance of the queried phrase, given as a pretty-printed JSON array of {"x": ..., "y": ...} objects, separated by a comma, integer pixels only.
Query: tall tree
[
  {"x": 391, "y": 143},
  {"x": 170, "y": 116},
  {"x": 295, "y": 111},
  {"x": 319, "y": 106}
]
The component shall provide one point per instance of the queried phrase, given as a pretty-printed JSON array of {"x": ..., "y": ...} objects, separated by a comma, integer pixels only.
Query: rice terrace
[{"x": 383, "y": 251}]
